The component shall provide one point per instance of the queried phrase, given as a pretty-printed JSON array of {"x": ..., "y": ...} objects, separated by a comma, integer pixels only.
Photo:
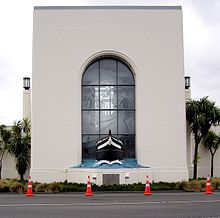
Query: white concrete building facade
[{"x": 148, "y": 43}]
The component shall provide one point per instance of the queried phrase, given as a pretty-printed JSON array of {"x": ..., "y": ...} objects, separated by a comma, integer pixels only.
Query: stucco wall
[
  {"x": 150, "y": 40},
  {"x": 8, "y": 167},
  {"x": 27, "y": 104},
  {"x": 204, "y": 162}
]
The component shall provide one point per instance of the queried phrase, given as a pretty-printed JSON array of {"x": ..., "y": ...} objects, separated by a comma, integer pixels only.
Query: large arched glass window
[{"x": 108, "y": 103}]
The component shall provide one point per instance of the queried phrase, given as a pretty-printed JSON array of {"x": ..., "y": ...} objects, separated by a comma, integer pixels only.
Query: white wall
[
  {"x": 204, "y": 165},
  {"x": 27, "y": 104},
  {"x": 149, "y": 39},
  {"x": 8, "y": 167}
]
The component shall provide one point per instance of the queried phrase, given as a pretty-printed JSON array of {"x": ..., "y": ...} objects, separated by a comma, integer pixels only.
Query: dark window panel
[
  {"x": 125, "y": 76},
  {"x": 91, "y": 75},
  {"x": 129, "y": 145},
  {"x": 126, "y": 97},
  {"x": 108, "y": 121},
  {"x": 126, "y": 122},
  {"x": 107, "y": 72},
  {"x": 90, "y": 124},
  {"x": 89, "y": 146},
  {"x": 108, "y": 97},
  {"x": 90, "y": 97}
]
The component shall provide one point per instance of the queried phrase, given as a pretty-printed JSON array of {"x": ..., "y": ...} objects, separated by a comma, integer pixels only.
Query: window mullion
[
  {"x": 117, "y": 92},
  {"x": 99, "y": 103}
]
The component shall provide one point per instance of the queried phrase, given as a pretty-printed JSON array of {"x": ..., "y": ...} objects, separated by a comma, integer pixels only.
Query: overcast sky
[{"x": 201, "y": 46}]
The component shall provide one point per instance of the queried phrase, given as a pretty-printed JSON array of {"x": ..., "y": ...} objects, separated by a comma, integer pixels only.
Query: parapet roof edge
[{"x": 108, "y": 7}]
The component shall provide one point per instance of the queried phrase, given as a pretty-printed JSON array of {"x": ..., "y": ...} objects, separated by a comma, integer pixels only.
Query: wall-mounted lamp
[
  {"x": 127, "y": 176},
  {"x": 94, "y": 176},
  {"x": 187, "y": 82},
  {"x": 26, "y": 83}
]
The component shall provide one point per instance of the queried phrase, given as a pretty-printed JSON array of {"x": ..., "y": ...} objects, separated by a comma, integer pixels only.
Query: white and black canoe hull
[
  {"x": 109, "y": 153},
  {"x": 109, "y": 148}
]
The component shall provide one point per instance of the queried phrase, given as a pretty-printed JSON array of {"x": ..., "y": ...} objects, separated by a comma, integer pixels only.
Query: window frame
[{"x": 100, "y": 110}]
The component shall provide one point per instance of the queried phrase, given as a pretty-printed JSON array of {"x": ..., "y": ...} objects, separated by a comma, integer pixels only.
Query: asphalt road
[{"x": 106, "y": 205}]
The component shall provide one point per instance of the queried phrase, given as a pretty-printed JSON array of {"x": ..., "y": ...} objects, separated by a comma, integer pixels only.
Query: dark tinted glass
[
  {"x": 89, "y": 146},
  {"x": 90, "y": 97},
  {"x": 107, "y": 72},
  {"x": 126, "y": 122},
  {"x": 90, "y": 124},
  {"x": 125, "y": 76},
  {"x": 108, "y": 103},
  {"x": 91, "y": 75},
  {"x": 129, "y": 145},
  {"x": 108, "y": 97},
  {"x": 126, "y": 97},
  {"x": 108, "y": 121}
]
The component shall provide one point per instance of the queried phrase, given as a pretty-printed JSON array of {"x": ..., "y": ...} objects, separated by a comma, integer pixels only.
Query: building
[
  {"x": 101, "y": 68},
  {"x": 108, "y": 54},
  {"x": 97, "y": 69}
]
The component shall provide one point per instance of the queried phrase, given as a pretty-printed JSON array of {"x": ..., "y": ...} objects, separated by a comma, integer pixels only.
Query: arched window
[{"x": 108, "y": 103}]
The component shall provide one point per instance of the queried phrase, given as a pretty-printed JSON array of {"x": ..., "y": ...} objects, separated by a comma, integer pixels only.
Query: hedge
[{"x": 7, "y": 185}]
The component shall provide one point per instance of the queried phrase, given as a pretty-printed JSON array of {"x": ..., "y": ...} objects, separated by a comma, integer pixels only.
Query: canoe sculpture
[{"x": 109, "y": 148}]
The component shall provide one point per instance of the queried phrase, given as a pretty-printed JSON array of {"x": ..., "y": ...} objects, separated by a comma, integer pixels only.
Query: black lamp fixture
[
  {"x": 26, "y": 83},
  {"x": 187, "y": 82}
]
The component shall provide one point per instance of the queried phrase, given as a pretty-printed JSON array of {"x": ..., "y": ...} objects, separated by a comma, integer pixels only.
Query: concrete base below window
[{"x": 126, "y": 176}]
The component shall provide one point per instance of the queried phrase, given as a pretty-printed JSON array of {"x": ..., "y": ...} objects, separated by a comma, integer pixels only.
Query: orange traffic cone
[
  {"x": 88, "y": 188},
  {"x": 208, "y": 186},
  {"x": 147, "y": 188},
  {"x": 29, "y": 190}
]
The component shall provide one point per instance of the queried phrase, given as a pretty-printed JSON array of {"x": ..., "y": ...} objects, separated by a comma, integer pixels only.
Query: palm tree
[
  {"x": 20, "y": 146},
  {"x": 5, "y": 136},
  {"x": 26, "y": 125},
  {"x": 201, "y": 115},
  {"x": 212, "y": 143}
]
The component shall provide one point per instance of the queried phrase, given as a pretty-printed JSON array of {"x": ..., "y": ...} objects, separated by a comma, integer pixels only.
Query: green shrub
[
  {"x": 191, "y": 186},
  {"x": 72, "y": 187},
  {"x": 136, "y": 187},
  {"x": 41, "y": 187},
  {"x": 215, "y": 183},
  {"x": 4, "y": 186},
  {"x": 196, "y": 186},
  {"x": 165, "y": 186},
  {"x": 34, "y": 185},
  {"x": 53, "y": 188},
  {"x": 203, "y": 184},
  {"x": 16, "y": 187},
  {"x": 122, "y": 187}
]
